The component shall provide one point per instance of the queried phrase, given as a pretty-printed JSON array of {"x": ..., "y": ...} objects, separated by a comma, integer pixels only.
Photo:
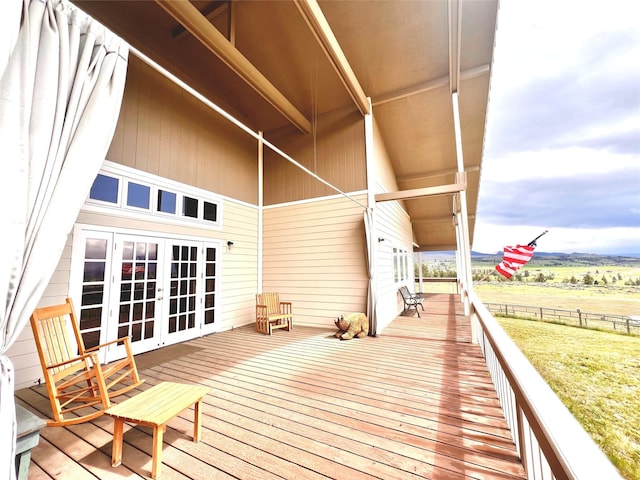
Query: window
[
  {"x": 400, "y": 265},
  {"x": 138, "y": 195},
  {"x": 105, "y": 189},
  {"x": 190, "y": 207},
  {"x": 210, "y": 211},
  {"x": 166, "y": 201},
  {"x": 119, "y": 187}
]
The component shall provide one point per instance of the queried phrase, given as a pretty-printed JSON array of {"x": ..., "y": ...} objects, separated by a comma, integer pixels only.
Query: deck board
[{"x": 413, "y": 402}]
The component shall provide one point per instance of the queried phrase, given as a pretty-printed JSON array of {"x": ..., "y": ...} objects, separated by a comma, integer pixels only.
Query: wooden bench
[
  {"x": 272, "y": 314},
  {"x": 154, "y": 408}
]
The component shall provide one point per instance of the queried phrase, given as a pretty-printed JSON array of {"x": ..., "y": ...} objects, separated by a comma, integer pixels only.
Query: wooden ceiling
[{"x": 276, "y": 63}]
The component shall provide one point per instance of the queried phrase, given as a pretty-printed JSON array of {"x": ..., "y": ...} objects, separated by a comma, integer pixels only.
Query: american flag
[{"x": 514, "y": 258}]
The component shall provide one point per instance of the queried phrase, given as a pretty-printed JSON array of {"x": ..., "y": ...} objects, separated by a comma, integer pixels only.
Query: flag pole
[{"x": 532, "y": 243}]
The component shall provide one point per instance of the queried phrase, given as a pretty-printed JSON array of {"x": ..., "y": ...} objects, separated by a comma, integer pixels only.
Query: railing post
[
  {"x": 579, "y": 316},
  {"x": 521, "y": 436}
]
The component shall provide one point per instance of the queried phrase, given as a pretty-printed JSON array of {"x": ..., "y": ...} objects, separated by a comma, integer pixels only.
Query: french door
[{"x": 158, "y": 291}]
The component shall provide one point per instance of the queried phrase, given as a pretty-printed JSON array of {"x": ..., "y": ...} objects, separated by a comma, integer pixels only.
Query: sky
[{"x": 562, "y": 144}]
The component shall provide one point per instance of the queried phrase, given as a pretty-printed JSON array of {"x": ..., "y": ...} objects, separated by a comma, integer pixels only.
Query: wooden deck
[{"x": 414, "y": 402}]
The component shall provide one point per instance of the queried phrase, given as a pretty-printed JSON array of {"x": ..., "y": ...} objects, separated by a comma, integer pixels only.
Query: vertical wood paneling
[
  {"x": 165, "y": 131},
  {"x": 337, "y": 155},
  {"x": 314, "y": 256}
]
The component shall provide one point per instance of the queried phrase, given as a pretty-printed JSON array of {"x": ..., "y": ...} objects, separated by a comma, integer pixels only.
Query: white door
[
  {"x": 137, "y": 273},
  {"x": 157, "y": 291},
  {"x": 189, "y": 291}
]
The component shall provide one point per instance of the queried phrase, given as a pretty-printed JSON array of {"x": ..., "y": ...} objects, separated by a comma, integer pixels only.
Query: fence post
[
  {"x": 579, "y": 316},
  {"x": 540, "y": 313}
]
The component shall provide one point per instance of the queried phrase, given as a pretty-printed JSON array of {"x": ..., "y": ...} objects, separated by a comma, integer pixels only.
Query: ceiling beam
[
  {"x": 439, "y": 173},
  {"x": 190, "y": 18},
  {"x": 434, "y": 220},
  {"x": 437, "y": 248},
  {"x": 312, "y": 14},
  {"x": 211, "y": 12},
  {"x": 429, "y": 85},
  {"x": 455, "y": 34},
  {"x": 459, "y": 186}
]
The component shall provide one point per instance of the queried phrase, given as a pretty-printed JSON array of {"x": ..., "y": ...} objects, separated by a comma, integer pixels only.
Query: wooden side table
[{"x": 154, "y": 408}]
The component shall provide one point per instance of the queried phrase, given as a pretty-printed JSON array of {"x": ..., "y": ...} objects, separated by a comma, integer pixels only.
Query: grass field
[
  {"x": 618, "y": 300},
  {"x": 596, "y": 375}
]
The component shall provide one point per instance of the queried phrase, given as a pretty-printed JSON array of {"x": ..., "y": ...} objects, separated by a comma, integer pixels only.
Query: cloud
[
  {"x": 562, "y": 146},
  {"x": 550, "y": 92},
  {"x": 612, "y": 241},
  {"x": 606, "y": 200}
]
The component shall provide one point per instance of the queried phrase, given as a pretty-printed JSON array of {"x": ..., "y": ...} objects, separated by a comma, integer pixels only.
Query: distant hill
[
  {"x": 541, "y": 258},
  {"x": 555, "y": 258}
]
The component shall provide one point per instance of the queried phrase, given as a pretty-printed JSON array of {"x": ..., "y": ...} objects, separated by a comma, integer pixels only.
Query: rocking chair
[{"x": 79, "y": 387}]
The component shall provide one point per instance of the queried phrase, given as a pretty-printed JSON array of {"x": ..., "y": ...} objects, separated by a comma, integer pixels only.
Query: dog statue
[{"x": 352, "y": 325}]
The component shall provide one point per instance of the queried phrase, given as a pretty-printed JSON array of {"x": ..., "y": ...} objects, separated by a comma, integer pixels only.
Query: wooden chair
[
  {"x": 74, "y": 377},
  {"x": 411, "y": 299},
  {"x": 272, "y": 314}
]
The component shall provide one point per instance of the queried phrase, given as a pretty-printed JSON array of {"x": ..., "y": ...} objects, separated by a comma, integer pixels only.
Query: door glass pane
[
  {"x": 95, "y": 248},
  {"x": 209, "y": 285},
  {"x": 94, "y": 271}
]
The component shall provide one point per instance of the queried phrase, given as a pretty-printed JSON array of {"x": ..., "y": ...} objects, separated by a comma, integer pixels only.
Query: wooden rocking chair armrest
[
  {"x": 92, "y": 356},
  {"x": 124, "y": 340}
]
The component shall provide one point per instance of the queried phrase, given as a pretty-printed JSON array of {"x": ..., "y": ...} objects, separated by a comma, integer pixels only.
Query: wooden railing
[
  {"x": 620, "y": 323},
  {"x": 550, "y": 441},
  {"x": 436, "y": 285}
]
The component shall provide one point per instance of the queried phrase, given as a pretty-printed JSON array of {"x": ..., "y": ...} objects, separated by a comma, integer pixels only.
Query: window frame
[{"x": 127, "y": 175}]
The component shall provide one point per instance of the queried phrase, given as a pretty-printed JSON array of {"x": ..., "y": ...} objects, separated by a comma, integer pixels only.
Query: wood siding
[
  {"x": 167, "y": 132},
  {"x": 395, "y": 227},
  {"x": 336, "y": 153},
  {"x": 314, "y": 256},
  {"x": 23, "y": 353}
]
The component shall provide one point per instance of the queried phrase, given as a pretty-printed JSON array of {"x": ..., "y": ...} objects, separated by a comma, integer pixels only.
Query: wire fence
[{"x": 618, "y": 323}]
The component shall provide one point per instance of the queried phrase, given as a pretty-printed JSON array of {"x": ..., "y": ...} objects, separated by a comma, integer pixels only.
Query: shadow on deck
[{"x": 414, "y": 402}]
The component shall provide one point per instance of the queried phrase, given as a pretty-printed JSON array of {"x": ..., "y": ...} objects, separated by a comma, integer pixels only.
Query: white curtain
[
  {"x": 61, "y": 83},
  {"x": 372, "y": 300}
]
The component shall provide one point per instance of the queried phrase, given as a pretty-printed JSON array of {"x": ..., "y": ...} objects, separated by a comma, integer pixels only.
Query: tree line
[{"x": 444, "y": 270}]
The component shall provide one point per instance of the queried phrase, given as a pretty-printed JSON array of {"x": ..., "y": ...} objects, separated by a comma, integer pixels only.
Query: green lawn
[
  {"x": 614, "y": 300},
  {"x": 596, "y": 375}
]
